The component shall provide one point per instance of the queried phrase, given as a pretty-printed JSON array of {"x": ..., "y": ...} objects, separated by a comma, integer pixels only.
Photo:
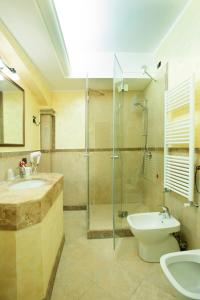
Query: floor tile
[
  {"x": 91, "y": 270},
  {"x": 148, "y": 291},
  {"x": 117, "y": 282},
  {"x": 101, "y": 214},
  {"x": 96, "y": 293}
]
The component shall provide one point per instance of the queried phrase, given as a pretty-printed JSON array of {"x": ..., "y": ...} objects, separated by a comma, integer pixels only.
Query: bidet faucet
[{"x": 166, "y": 212}]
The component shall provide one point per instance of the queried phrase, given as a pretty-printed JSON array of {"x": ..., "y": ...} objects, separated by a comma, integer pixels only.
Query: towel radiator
[{"x": 179, "y": 132}]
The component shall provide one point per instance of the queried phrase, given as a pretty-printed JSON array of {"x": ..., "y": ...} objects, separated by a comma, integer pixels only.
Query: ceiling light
[
  {"x": 1, "y": 64},
  {"x": 9, "y": 71},
  {"x": 15, "y": 76}
]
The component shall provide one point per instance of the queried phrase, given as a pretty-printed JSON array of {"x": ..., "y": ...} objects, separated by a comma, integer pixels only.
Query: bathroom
[{"x": 90, "y": 125}]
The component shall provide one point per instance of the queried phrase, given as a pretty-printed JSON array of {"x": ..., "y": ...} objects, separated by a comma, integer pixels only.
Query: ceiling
[
  {"x": 117, "y": 25},
  {"x": 98, "y": 26}
]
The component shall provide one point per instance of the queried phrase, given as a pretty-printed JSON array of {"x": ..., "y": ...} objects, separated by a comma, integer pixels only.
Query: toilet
[
  {"x": 154, "y": 234},
  {"x": 182, "y": 269}
]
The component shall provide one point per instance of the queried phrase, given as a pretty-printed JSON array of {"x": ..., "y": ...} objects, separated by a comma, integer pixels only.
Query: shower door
[
  {"x": 117, "y": 190},
  {"x": 86, "y": 154}
]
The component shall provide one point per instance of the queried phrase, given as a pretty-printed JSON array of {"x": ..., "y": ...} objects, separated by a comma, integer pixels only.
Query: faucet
[{"x": 166, "y": 214}]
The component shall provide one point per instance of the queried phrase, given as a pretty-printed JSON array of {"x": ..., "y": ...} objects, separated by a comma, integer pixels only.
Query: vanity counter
[
  {"x": 32, "y": 237},
  {"x": 22, "y": 208}
]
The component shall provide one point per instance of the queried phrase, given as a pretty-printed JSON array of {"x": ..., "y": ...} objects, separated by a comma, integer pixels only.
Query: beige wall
[
  {"x": 181, "y": 50},
  {"x": 32, "y": 137},
  {"x": 70, "y": 119},
  {"x": 36, "y": 94},
  {"x": 13, "y": 117}
]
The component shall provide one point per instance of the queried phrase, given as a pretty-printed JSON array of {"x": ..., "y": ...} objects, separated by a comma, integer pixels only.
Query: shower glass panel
[
  {"x": 86, "y": 154},
  {"x": 100, "y": 151},
  {"x": 117, "y": 176},
  {"x": 116, "y": 153}
]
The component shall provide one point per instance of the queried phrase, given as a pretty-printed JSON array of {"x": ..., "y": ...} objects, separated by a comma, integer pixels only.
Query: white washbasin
[
  {"x": 28, "y": 184},
  {"x": 182, "y": 269}
]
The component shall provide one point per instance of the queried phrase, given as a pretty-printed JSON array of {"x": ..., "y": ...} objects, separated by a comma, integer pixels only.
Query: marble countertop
[{"x": 23, "y": 208}]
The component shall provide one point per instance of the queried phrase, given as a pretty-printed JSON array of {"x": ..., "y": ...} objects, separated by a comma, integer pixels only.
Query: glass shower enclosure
[
  {"x": 114, "y": 154},
  {"x": 117, "y": 178},
  {"x": 98, "y": 152},
  {"x": 103, "y": 142}
]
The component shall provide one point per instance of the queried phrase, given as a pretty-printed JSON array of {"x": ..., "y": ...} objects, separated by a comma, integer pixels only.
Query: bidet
[{"x": 154, "y": 234}]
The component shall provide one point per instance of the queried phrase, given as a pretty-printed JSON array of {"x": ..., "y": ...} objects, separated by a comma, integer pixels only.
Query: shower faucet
[{"x": 148, "y": 154}]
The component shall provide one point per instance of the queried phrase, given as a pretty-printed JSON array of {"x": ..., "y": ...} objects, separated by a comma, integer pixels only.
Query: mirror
[{"x": 11, "y": 113}]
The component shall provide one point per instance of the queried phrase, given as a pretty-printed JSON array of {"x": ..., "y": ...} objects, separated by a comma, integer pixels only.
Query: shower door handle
[
  {"x": 86, "y": 154},
  {"x": 114, "y": 157}
]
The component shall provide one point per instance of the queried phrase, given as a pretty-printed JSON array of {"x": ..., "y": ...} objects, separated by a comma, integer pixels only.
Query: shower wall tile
[
  {"x": 131, "y": 176},
  {"x": 3, "y": 169},
  {"x": 154, "y": 94},
  {"x": 70, "y": 131},
  {"x": 100, "y": 119},
  {"x": 127, "y": 177},
  {"x": 73, "y": 166},
  {"x": 100, "y": 178},
  {"x": 153, "y": 181},
  {"x": 132, "y": 121}
]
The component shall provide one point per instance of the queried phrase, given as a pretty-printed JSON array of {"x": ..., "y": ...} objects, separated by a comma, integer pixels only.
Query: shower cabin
[{"x": 116, "y": 150}]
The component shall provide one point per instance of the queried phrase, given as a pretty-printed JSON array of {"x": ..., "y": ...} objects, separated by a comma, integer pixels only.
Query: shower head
[
  {"x": 145, "y": 72},
  {"x": 138, "y": 101},
  {"x": 96, "y": 92},
  {"x": 140, "y": 104}
]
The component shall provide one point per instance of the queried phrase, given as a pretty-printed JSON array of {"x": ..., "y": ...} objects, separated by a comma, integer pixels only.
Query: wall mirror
[{"x": 12, "y": 111}]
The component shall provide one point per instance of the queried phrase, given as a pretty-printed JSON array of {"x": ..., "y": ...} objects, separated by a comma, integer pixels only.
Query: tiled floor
[
  {"x": 91, "y": 270},
  {"x": 101, "y": 215}
]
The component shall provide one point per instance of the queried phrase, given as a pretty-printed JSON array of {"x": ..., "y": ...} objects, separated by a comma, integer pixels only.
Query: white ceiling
[
  {"x": 107, "y": 26},
  {"x": 117, "y": 25}
]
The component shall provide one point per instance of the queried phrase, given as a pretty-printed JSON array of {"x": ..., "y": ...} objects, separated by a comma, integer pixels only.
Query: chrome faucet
[{"x": 166, "y": 214}]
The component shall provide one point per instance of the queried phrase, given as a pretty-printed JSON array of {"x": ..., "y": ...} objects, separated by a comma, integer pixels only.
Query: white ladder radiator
[{"x": 179, "y": 132}]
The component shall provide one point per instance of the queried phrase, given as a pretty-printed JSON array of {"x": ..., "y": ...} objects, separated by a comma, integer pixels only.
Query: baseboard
[
  {"x": 124, "y": 232},
  {"x": 54, "y": 270},
  {"x": 107, "y": 233},
  {"x": 74, "y": 207}
]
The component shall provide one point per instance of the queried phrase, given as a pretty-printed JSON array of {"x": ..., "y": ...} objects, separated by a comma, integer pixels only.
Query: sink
[
  {"x": 182, "y": 269},
  {"x": 28, "y": 184}
]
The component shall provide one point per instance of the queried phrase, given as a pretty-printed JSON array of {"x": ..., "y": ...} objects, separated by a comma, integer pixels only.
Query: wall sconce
[
  {"x": 9, "y": 71},
  {"x": 35, "y": 121}
]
